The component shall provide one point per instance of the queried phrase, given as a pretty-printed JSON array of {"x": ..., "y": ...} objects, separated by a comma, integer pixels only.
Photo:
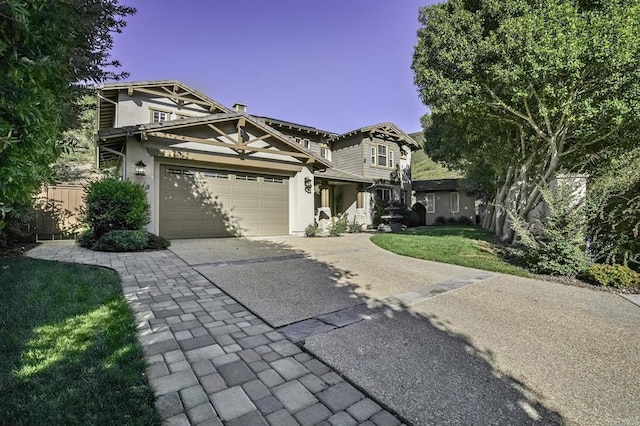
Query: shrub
[
  {"x": 338, "y": 228},
  {"x": 441, "y": 220},
  {"x": 122, "y": 240},
  {"x": 355, "y": 227},
  {"x": 464, "y": 220},
  {"x": 156, "y": 242},
  {"x": 86, "y": 238},
  {"x": 112, "y": 204},
  {"x": 311, "y": 230},
  {"x": 617, "y": 276},
  {"x": 410, "y": 218},
  {"x": 452, "y": 221},
  {"x": 555, "y": 244}
]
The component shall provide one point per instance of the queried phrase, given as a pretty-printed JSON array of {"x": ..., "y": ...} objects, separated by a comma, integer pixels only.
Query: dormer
[{"x": 126, "y": 104}]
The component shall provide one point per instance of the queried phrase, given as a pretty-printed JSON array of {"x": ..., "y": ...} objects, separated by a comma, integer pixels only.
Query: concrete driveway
[{"x": 439, "y": 343}]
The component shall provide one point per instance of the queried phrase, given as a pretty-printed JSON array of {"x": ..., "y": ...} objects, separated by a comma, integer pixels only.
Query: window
[
  {"x": 373, "y": 155},
  {"x": 382, "y": 155},
  {"x": 324, "y": 152},
  {"x": 250, "y": 178},
  {"x": 391, "y": 159},
  {"x": 273, "y": 180},
  {"x": 307, "y": 143},
  {"x": 455, "y": 202},
  {"x": 431, "y": 202},
  {"x": 159, "y": 116},
  {"x": 383, "y": 194}
]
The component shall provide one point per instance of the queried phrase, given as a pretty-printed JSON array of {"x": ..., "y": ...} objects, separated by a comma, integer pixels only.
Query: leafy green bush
[
  {"x": 113, "y": 205},
  {"x": 441, "y": 220},
  {"x": 617, "y": 276},
  {"x": 464, "y": 220},
  {"x": 311, "y": 230},
  {"x": 554, "y": 244},
  {"x": 452, "y": 221},
  {"x": 122, "y": 240},
  {"x": 156, "y": 242},
  {"x": 338, "y": 228},
  {"x": 86, "y": 238},
  {"x": 355, "y": 227}
]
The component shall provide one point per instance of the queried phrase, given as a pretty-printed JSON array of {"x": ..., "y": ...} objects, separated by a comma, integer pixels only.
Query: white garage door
[{"x": 199, "y": 203}]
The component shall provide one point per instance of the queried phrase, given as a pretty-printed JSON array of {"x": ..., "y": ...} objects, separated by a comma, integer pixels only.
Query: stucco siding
[
  {"x": 136, "y": 109},
  {"x": 467, "y": 205}
]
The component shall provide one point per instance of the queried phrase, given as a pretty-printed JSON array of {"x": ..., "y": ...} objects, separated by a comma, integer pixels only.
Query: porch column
[
  {"x": 324, "y": 197},
  {"x": 361, "y": 215}
]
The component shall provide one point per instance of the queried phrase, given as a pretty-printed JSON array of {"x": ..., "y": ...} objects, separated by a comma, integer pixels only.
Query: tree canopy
[
  {"x": 521, "y": 90},
  {"x": 50, "y": 52}
]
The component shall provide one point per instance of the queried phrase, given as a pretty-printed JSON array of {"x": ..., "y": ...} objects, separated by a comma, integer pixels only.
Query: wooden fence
[{"x": 57, "y": 211}]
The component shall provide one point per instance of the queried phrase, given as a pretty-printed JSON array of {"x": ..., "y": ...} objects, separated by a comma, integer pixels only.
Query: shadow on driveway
[{"x": 408, "y": 362}]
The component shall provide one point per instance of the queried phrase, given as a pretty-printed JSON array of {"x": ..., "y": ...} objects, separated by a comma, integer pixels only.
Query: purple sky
[{"x": 333, "y": 64}]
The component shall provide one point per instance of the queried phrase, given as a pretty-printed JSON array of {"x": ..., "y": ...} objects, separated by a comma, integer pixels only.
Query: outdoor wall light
[
  {"x": 307, "y": 185},
  {"x": 141, "y": 168}
]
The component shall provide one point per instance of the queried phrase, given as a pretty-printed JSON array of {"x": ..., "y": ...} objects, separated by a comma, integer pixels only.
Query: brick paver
[{"x": 210, "y": 360}]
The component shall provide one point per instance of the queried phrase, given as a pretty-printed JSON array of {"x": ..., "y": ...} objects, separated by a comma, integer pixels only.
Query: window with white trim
[
  {"x": 324, "y": 152},
  {"x": 431, "y": 202},
  {"x": 391, "y": 163},
  {"x": 454, "y": 198},
  {"x": 383, "y": 194},
  {"x": 307, "y": 143},
  {"x": 160, "y": 116},
  {"x": 382, "y": 155},
  {"x": 373, "y": 155}
]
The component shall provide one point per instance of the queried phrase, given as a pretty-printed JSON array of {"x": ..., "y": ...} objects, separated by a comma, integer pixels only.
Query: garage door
[{"x": 198, "y": 203}]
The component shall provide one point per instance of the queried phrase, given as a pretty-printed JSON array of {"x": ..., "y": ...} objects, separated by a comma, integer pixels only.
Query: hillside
[{"x": 423, "y": 168}]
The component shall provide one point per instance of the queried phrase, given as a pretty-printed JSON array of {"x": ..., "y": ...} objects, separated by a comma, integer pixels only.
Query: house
[
  {"x": 212, "y": 171},
  {"x": 442, "y": 198}
]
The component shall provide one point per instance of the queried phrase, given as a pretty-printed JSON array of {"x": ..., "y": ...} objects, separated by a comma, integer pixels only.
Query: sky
[{"x": 337, "y": 65}]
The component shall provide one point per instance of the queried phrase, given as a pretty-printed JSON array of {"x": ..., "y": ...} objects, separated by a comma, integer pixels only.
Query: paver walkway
[{"x": 211, "y": 361}]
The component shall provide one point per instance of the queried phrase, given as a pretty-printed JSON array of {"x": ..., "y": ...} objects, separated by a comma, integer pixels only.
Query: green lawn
[
  {"x": 459, "y": 245},
  {"x": 68, "y": 348}
]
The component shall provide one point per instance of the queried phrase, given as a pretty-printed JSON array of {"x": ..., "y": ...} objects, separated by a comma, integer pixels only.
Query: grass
[
  {"x": 459, "y": 245},
  {"x": 424, "y": 168},
  {"x": 68, "y": 348}
]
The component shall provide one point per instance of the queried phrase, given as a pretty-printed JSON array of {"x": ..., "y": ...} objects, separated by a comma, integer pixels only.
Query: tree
[
  {"x": 50, "y": 51},
  {"x": 613, "y": 209},
  {"x": 521, "y": 90}
]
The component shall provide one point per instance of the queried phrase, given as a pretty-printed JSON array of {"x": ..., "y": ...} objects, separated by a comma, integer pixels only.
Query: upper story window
[
  {"x": 307, "y": 143},
  {"x": 324, "y": 152},
  {"x": 382, "y": 155},
  {"x": 160, "y": 116}
]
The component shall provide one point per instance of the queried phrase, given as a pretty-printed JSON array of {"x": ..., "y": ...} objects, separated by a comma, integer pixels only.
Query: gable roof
[
  {"x": 295, "y": 126},
  {"x": 384, "y": 131},
  {"x": 173, "y": 89},
  {"x": 106, "y": 137},
  {"x": 435, "y": 185}
]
